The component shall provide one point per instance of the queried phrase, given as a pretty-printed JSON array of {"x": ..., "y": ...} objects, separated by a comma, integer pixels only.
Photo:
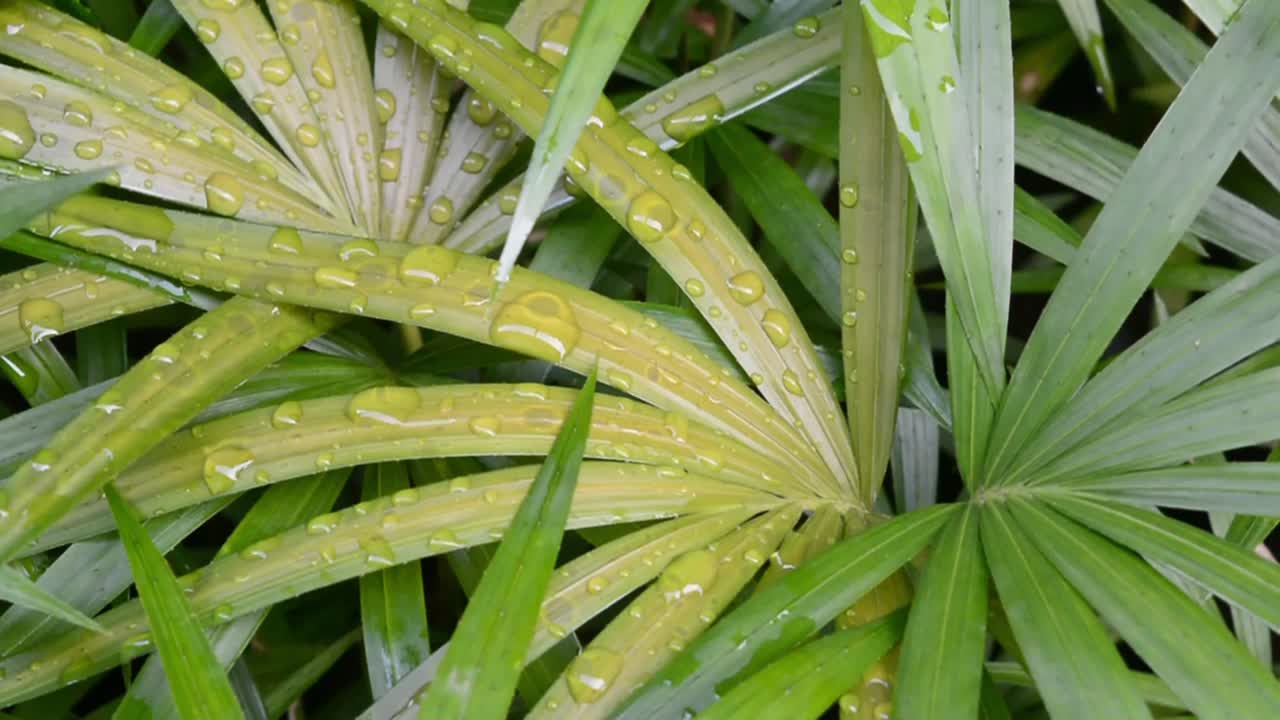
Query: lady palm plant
[{"x": 300, "y": 204}]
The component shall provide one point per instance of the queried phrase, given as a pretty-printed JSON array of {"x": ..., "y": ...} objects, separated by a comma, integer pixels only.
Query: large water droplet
[
  {"x": 791, "y": 382},
  {"x": 322, "y": 70},
  {"x": 223, "y": 194},
  {"x": 286, "y": 241},
  {"x": 390, "y": 405},
  {"x": 389, "y": 165},
  {"x": 89, "y": 149},
  {"x": 171, "y": 99},
  {"x": 777, "y": 326},
  {"x": 555, "y": 35},
  {"x": 277, "y": 70},
  {"x": 223, "y": 466},
  {"x": 806, "y": 27},
  {"x": 693, "y": 119},
  {"x": 746, "y": 287},
  {"x": 689, "y": 574},
  {"x": 40, "y": 318},
  {"x": 286, "y": 415},
  {"x": 591, "y": 674},
  {"x": 386, "y": 102},
  {"x": 16, "y": 133},
  {"x": 308, "y": 134},
  {"x": 427, "y": 265},
  {"x": 538, "y": 323},
  {"x": 888, "y": 23},
  {"x": 77, "y": 113},
  {"x": 208, "y": 30}
]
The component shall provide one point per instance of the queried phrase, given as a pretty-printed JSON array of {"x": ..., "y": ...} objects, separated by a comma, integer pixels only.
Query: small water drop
[
  {"x": 171, "y": 99},
  {"x": 777, "y": 326},
  {"x": 389, "y": 405},
  {"x": 427, "y": 265},
  {"x": 650, "y": 216},
  {"x": 386, "y": 103},
  {"x": 746, "y": 287},
  {"x": 277, "y": 70},
  {"x": 286, "y": 415},
  {"x": 591, "y": 674},
  {"x": 322, "y": 70},
  {"x": 223, "y": 466}
]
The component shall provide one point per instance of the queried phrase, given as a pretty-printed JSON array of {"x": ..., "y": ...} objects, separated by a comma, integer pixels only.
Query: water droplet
[
  {"x": 591, "y": 674},
  {"x": 322, "y": 70},
  {"x": 40, "y": 318},
  {"x": 806, "y": 27},
  {"x": 693, "y": 119},
  {"x": 481, "y": 111},
  {"x": 208, "y": 30},
  {"x": 442, "y": 540},
  {"x": 650, "y": 216},
  {"x": 849, "y": 195},
  {"x": 938, "y": 18},
  {"x": 386, "y": 102},
  {"x": 89, "y": 149},
  {"x": 707, "y": 71},
  {"x": 746, "y": 287},
  {"x": 850, "y": 318},
  {"x": 486, "y": 426},
  {"x": 223, "y": 194},
  {"x": 421, "y": 312},
  {"x": 334, "y": 278},
  {"x": 308, "y": 134},
  {"x": 860, "y": 295},
  {"x": 277, "y": 70},
  {"x": 223, "y": 5},
  {"x": 619, "y": 380},
  {"x": 286, "y": 241},
  {"x": 850, "y": 256},
  {"x": 16, "y": 134},
  {"x": 538, "y": 323},
  {"x": 223, "y": 466},
  {"x": 753, "y": 556},
  {"x": 777, "y": 326},
  {"x": 441, "y": 211},
  {"x": 357, "y": 249},
  {"x": 695, "y": 288},
  {"x": 791, "y": 382},
  {"x": 427, "y": 265},
  {"x": 78, "y": 113},
  {"x": 689, "y": 574},
  {"x": 474, "y": 163},
  {"x": 887, "y": 23},
  {"x": 555, "y": 35},
  {"x": 377, "y": 551},
  {"x": 390, "y": 405},
  {"x": 171, "y": 99},
  {"x": 947, "y": 85},
  {"x": 286, "y": 415}
]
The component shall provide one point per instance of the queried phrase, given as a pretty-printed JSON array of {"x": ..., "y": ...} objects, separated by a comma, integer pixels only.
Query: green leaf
[
  {"x": 393, "y": 611},
  {"x": 281, "y": 507},
  {"x": 201, "y": 688},
  {"x": 1201, "y": 661},
  {"x": 1083, "y": 17},
  {"x": 1213, "y": 418},
  {"x": 153, "y": 399},
  {"x": 1153, "y": 690},
  {"x": 780, "y": 202},
  {"x": 21, "y": 201},
  {"x": 493, "y": 635},
  {"x": 1178, "y": 51},
  {"x": 916, "y": 444},
  {"x": 1037, "y": 227},
  {"x": 1238, "y": 487},
  {"x": 932, "y": 105},
  {"x": 39, "y": 372},
  {"x": 280, "y": 696},
  {"x": 577, "y": 245},
  {"x": 1209, "y": 336},
  {"x": 102, "y": 352},
  {"x": 876, "y": 243},
  {"x": 1236, "y": 574},
  {"x": 597, "y": 44},
  {"x": 939, "y": 672},
  {"x": 1094, "y": 164},
  {"x": 791, "y": 610},
  {"x": 806, "y": 681},
  {"x": 103, "y": 560},
  {"x": 16, "y": 588},
  {"x": 1076, "y": 667},
  {"x": 1138, "y": 227},
  {"x": 159, "y": 24}
]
